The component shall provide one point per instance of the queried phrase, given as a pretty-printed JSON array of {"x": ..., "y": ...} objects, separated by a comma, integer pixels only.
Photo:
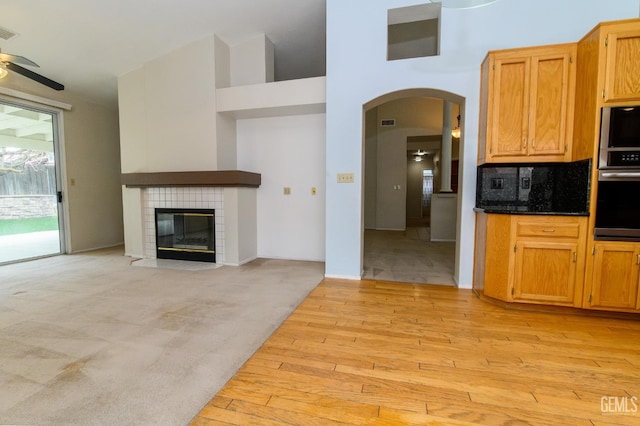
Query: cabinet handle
[
  {"x": 638, "y": 259},
  {"x": 533, "y": 143},
  {"x": 524, "y": 143},
  {"x": 548, "y": 230},
  {"x": 575, "y": 257}
]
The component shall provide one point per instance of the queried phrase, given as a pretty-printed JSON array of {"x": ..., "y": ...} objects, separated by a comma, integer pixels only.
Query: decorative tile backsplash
[{"x": 186, "y": 198}]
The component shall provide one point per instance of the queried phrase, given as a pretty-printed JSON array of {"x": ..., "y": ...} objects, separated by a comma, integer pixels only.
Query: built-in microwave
[
  {"x": 620, "y": 138},
  {"x": 618, "y": 204}
]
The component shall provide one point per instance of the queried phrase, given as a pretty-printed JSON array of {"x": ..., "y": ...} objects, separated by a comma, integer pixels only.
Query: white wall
[
  {"x": 132, "y": 207},
  {"x": 168, "y": 110},
  {"x": 444, "y": 217},
  {"x": 289, "y": 152},
  {"x": 239, "y": 226},
  {"x": 358, "y": 72},
  {"x": 226, "y": 149},
  {"x": 252, "y": 61}
]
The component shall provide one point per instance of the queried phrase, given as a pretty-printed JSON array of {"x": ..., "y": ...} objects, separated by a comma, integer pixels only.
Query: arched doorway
[{"x": 395, "y": 247}]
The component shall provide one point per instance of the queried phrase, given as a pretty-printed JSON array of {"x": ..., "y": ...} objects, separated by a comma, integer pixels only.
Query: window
[
  {"x": 413, "y": 31},
  {"x": 427, "y": 187}
]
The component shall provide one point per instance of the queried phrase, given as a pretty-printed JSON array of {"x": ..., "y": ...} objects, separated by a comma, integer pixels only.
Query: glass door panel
[{"x": 29, "y": 207}]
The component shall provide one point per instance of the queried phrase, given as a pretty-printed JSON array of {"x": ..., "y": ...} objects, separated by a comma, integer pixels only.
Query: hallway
[{"x": 408, "y": 256}]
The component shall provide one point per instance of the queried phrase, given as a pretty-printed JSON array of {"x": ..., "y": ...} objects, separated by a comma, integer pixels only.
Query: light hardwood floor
[{"x": 371, "y": 352}]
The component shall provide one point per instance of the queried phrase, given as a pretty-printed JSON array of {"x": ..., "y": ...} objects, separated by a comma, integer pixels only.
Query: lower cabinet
[
  {"x": 531, "y": 259},
  {"x": 614, "y": 277},
  {"x": 545, "y": 272}
]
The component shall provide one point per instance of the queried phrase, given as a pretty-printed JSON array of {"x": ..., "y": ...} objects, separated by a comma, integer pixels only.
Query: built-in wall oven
[{"x": 618, "y": 199}]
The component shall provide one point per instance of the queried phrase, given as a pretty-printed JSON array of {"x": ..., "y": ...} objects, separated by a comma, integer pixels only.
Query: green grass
[{"x": 23, "y": 226}]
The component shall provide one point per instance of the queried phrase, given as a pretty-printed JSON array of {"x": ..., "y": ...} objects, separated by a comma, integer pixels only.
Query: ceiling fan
[{"x": 10, "y": 62}]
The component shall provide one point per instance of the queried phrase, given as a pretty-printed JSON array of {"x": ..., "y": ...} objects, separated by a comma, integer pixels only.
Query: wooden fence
[{"x": 28, "y": 182}]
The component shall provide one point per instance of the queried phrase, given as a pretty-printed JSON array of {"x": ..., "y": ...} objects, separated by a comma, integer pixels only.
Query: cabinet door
[
  {"x": 615, "y": 276},
  {"x": 622, "y": 75},
  {"x": 545, "y": 272},
  {"x": 509, "y": 107},
  {"x": 548, "y": 110}
]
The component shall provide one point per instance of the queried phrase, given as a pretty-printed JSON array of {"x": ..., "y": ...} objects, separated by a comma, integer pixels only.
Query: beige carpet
[
  {"x": 408, "y": 256},
  {"x": 91, "y": 339}
]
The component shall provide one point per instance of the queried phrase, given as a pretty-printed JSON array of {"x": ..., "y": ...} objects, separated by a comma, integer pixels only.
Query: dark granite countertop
[{"x": 522, "y": 210}]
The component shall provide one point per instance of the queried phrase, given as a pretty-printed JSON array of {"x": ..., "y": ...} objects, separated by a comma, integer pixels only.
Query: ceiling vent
[
  {"x": 388, "y": 123},
  {"x": 5, "y": 34}
]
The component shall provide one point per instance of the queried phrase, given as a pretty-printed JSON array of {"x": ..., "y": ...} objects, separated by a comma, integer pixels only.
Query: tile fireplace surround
[
  {"x": 184, "y": 198},
  {"x": 231, "y": 193}
]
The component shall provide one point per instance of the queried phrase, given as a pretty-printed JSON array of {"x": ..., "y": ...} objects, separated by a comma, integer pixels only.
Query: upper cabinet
[
  {"x": 622, "y": 72},
  {"x": 527, "y": 98}
]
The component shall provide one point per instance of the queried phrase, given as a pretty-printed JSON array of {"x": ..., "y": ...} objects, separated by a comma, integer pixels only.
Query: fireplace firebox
[{"x": 185, "y": 234}]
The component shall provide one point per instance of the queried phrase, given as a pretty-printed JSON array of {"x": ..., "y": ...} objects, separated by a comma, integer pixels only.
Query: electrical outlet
[
  {"x": 497, "y": 183},
  {"x": 287, "y": 190},
  {"x": 313, "y": 190},
  {"x": 345, "y": 177}
]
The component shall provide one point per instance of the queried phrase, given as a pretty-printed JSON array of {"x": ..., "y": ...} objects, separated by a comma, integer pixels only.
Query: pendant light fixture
[{"x": 456, "y": 132}]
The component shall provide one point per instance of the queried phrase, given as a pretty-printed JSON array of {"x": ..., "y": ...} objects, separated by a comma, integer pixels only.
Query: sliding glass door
[{"x": 30, "y": 194}]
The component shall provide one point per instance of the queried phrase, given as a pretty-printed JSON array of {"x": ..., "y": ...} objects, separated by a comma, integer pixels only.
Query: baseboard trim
[
  {"x": 242, "y": 262},
  {"x": 297, "y": 259},
  {"x": 343, "y": 277},
  {"x": 97, "y": 248}
]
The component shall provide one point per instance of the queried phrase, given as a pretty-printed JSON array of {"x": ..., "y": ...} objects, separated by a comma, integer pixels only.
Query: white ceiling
[{"x": 87, "y": 44}]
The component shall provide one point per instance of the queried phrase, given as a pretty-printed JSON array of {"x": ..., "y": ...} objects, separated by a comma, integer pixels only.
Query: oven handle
[{"x": 626, "y": 175}]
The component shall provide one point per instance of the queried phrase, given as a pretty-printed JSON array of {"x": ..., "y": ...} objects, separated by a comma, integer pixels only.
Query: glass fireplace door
[{"x": 185, "y": 234}]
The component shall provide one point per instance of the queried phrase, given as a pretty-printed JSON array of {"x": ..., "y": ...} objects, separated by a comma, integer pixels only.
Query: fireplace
[{"x": 185, "y": 234}]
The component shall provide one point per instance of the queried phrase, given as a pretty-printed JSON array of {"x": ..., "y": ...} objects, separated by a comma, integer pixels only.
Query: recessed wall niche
[{"x": 413, "y": 31}]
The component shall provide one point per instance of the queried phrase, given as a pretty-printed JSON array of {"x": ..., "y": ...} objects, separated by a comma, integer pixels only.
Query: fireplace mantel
[{"x": 224, "y": 178}]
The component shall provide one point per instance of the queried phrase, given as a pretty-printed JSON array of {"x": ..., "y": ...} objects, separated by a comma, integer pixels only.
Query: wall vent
[
  {"x": 5, "y": 34},
  {"x": 388, "y": 122}
]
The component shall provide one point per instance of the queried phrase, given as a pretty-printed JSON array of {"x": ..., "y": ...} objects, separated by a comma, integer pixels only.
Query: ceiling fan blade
[
  {"x": 34, "y": 76},
  {"x": 8, "y": 57}
]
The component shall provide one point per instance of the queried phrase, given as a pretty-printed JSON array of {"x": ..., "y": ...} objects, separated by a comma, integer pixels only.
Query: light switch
[
  {"x": 287, "y": 190},
  {"x": 313, "y": 190}
]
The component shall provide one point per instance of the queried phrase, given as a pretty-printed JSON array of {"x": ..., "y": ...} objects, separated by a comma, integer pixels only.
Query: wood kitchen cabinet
[
  {"x": 608, "y": 74},
  {"x": 527, "y": 98},
  {"x": 622, "y": 65},
  {"x": 531, "y": 259},
  {"x": 615, "y": 277}
]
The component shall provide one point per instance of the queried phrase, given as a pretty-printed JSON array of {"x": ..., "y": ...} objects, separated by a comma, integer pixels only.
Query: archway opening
[{"x": 411, "y": 215}]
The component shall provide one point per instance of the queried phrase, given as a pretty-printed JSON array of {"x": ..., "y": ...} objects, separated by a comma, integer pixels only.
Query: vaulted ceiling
[{"x": 87, "y": 44}]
